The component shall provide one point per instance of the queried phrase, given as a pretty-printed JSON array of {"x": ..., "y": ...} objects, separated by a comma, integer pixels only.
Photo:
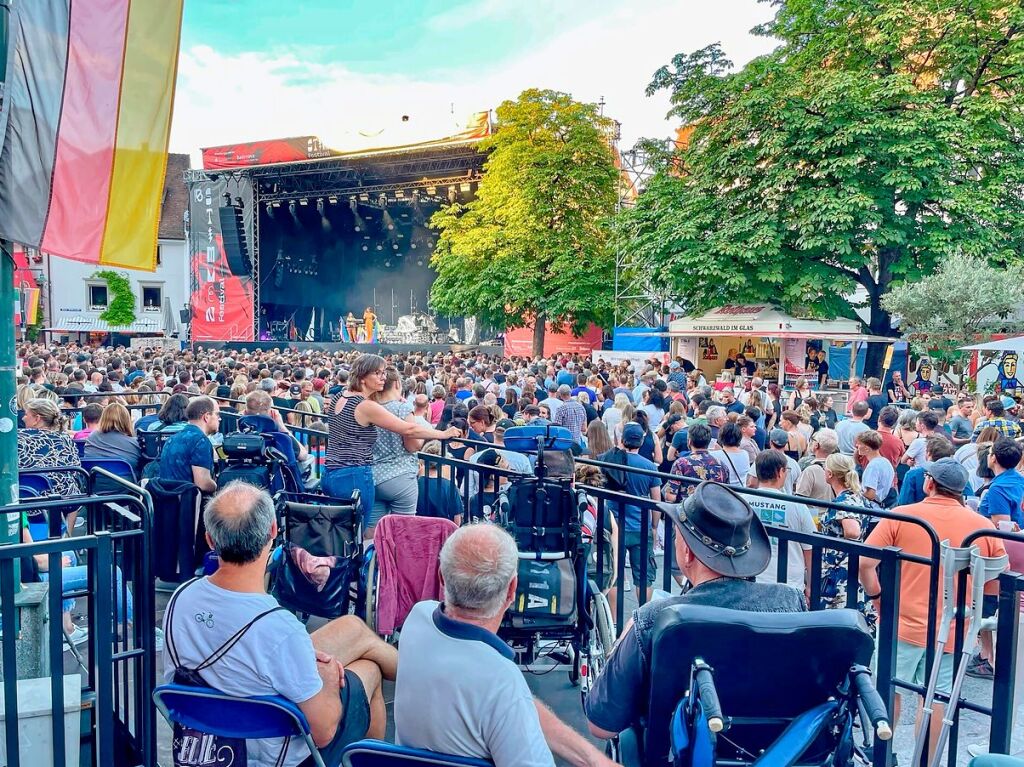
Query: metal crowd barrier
[{"x": 117, "y": 662}]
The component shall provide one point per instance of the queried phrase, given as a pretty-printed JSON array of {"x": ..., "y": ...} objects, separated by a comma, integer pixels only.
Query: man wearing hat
[
  {"x": 778, "y": 440},
  {"x": 944, "y": 510},
  {"x": 720, "y": 546}
]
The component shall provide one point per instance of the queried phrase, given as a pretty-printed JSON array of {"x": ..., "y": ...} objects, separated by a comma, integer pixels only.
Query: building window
[
  {"x": 152, "y": 298},
  {"x": 97, "y": 296}
]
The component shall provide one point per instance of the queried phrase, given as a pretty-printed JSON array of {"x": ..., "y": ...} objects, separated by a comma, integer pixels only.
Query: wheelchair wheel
[
  {"x": 370, "y": 593},
  {"x": 600, "y": 640}
]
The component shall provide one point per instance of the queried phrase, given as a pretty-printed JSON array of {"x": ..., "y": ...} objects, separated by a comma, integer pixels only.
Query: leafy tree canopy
[
  {"x": 878, "y": 140},
  {"x": 533, "y": 242},
  {"x": 965, "y": 301}
]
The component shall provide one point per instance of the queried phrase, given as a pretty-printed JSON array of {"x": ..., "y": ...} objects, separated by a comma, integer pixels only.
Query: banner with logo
[{"x": 222, "y": 302}]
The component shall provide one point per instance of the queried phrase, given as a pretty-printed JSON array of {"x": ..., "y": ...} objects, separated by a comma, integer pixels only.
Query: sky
[{"x": 344, "y": 69}]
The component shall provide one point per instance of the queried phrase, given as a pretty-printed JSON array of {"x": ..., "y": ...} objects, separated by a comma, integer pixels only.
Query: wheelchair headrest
[
  {"x": 524, "y": 439},
  {"x": 257, "y": 423}
]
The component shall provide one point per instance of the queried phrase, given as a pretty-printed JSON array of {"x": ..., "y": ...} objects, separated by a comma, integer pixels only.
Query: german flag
[{"x": 85, "y": 127}]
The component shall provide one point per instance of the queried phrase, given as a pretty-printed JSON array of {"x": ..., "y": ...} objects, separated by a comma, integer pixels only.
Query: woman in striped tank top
[{"x": 352, "y": 419}]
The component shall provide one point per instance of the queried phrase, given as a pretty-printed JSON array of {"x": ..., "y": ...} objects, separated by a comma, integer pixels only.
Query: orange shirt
[{"x": 950, "y": 520}]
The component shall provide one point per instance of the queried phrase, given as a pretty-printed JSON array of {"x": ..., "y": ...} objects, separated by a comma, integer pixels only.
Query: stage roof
[{"x": 407, "y": 136}]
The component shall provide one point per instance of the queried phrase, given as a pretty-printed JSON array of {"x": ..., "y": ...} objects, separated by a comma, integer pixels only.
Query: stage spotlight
[
  {"x": 333, "y": 199},
  {"x": 379, "y": 246},
  {"x": 432, "y": 190},
  {"x": 320, "y": 206},
  {"x": 291, "y": 207},
  {"x": 277, "y": 203},
  {"x": 365, "y": 248},
  {"x": 383, "y": 200},
  {"x": 419, "y": 262},
  {"x": 270, "y": 210},
  {"x": 387, "y": 263},
  {"x": 465, "y": 188},
  {"x": 388, "y": 222},
  {"x": 452, "y": 196},
  {"x": 303, "y": 201},
  {"x": 394, "y": 246},
  {"x": 399, "y": 194},
  {"x": 364, "y": 197},
  {"x": 412, "y": 245}
]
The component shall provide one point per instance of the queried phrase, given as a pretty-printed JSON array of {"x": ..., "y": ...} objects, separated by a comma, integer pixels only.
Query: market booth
[{"x": 777, "y": 342}]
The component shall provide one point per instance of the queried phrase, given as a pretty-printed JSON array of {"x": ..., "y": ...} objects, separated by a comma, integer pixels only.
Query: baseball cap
[
  {"x": 295, "y": 390},
  {"x": 632, "y": 435},
  {"x": 948, "y": 473},
  {"x": 1008, "y": 403},
  {"x": 779, "y": 437},
  {"x": 505, "y": 423},
  {"x": 673, "y": 365}
]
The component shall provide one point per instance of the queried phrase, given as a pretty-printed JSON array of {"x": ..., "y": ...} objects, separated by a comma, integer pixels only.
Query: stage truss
[{"x": 437, "y": 174}]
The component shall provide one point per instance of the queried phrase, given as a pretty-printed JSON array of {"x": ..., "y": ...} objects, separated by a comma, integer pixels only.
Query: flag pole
[{"x": 10, "y": 530}]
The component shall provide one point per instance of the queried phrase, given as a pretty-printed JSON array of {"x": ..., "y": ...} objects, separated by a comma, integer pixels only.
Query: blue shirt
[
  {"x": 1004, "y": 497},
  {"x": 188, "y": 448},
  {"x": 636, "y": 484},
  {"x": 912, "y": 488}
]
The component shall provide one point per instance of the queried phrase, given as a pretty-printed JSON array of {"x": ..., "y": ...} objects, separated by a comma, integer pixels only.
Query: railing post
[
  {"x": 102, "y": 584},
  {"x": 11, "y": 530},
  {"x": 888, "y": 626},
  {"x": 8, "y": 616},
  {"x": 1007, "y": 632}
]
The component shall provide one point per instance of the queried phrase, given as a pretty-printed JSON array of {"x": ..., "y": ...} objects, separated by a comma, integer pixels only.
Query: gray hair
[
  {"x": 478, "y": 562},
  {"x": 908, "y": 419},
  {"x": 239, "y": 519},
  {"x": 715, "y": 413},
  {"x": 827, "y": 439}
]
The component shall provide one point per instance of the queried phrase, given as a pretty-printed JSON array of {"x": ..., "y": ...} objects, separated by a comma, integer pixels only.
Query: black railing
[{"x": 117, "y": 660}]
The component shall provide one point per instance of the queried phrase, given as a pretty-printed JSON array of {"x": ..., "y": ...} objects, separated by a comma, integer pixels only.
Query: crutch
[
  {"x": 953, "y": 561},
  {"x": 983, "y": 570}
]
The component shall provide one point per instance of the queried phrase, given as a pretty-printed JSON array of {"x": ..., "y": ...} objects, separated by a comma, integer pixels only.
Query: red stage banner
[
  {"x": 265, "y": 152},
  {"x": 520, "y": 341}
]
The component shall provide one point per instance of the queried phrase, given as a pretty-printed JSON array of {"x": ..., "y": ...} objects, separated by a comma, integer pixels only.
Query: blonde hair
[
  {"x": 116, "y": 418},
  {"x": 842, "y": 466},
  {"x": 48, "y": 412},
  {"x": 25, "y": 393}
]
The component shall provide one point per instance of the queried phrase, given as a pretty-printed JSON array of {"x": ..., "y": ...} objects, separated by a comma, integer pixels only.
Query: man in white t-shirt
[
  {"x": 778, "y": 440},
  {"x": 771, "y": 467},
  {"x": 333, "y": 676},
  {"x": 487, "y": 711}
]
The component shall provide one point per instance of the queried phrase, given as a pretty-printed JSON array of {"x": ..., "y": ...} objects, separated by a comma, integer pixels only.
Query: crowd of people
[{"x": 952, "y": 461}]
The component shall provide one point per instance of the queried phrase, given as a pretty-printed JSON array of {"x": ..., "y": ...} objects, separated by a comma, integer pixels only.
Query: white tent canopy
[
  {"x": 1013, "y": 344},
  {"x": 764, "y": 321}
]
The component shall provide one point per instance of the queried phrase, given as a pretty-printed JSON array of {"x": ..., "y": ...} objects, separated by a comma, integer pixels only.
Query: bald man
[{"x": 333, "y": 675}]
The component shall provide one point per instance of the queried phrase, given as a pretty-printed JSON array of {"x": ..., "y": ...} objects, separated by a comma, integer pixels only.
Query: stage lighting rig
[
  {"x": 291, "y": 207},
  {"x": 270, "y": 210},
  {"x": 320, "y": 206},
  {"x": 303, "y": 201}
]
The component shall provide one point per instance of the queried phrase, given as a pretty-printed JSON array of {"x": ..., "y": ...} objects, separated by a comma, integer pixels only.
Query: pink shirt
[
  {"x": 861, "y": 395},
  {"x": 436, "y": 408}
]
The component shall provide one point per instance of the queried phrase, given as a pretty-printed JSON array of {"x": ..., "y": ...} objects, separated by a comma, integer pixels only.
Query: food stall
[{"x": 776, "y": 341}]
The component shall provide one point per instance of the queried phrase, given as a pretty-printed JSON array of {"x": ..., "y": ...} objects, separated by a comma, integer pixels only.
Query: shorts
[
  {"x": 355, "y": 721},
  {"x": 340, "y": 482},
  {"x": 910, "y": 667},
  {"x": 635, "y": 557}
]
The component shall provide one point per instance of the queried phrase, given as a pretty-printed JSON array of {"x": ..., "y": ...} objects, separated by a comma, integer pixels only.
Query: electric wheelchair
[{"x": 559, "y": 612}]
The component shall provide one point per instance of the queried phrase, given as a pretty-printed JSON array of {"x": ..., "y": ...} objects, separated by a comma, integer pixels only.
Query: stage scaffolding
[{"x": 439, "y": 174}]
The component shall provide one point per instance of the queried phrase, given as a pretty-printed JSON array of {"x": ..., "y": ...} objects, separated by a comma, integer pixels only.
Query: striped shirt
[{"x": 348, "y": 442}]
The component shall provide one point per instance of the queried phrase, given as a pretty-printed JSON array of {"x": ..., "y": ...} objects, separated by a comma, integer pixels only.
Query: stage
[
  {"x": 494, "y": 350},
  {"x": 287, "y": 237}
]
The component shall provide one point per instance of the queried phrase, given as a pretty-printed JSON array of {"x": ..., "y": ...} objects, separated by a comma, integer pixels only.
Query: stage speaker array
[{"x": 235, "y": 246}]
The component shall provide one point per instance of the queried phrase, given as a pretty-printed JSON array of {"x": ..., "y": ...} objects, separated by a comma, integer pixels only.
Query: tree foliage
[
  {"x": 878, "y": 140},
  {"x": 964, "y": 302},
  {"x": 533, "y": 242}
]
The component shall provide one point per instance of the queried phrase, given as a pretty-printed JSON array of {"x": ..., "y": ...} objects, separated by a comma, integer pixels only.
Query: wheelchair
[
  {"x": 714, "y": 691},
  {"x": 559, "y": 611},
  {"x": 317, "y": 564},
  {"x": 253, "y": 458}
]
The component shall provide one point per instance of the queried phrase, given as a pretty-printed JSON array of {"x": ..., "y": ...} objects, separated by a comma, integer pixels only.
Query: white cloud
[{"x": 225, "y": 99}]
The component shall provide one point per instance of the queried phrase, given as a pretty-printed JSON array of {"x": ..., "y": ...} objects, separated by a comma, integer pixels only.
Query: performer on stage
[
  {"x": 369, "y": 320},
  {"x": 352, "y": 326}
]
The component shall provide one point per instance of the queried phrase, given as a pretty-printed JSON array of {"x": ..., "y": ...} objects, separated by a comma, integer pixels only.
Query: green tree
[
  {"x": 533, "y": 243},
  {"x": 964, "y": 302},
  {"x": 878, "y": 139}
]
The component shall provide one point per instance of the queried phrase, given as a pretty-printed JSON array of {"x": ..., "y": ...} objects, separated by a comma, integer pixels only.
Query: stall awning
[
  {"x": 91, "y": 323},
  {"x": 1013, "y": 344},
  {"x": 764, "y": 321}
]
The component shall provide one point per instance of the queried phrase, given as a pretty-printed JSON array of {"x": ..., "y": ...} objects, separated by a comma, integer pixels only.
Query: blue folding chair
[
  {"x": 378, "y": 753},
  {"x": 213, "y": 712},
  {"x": 40, "y": 483},
  {"x": 116, "y": 466},
  {"x": 80, "y": 447}
]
